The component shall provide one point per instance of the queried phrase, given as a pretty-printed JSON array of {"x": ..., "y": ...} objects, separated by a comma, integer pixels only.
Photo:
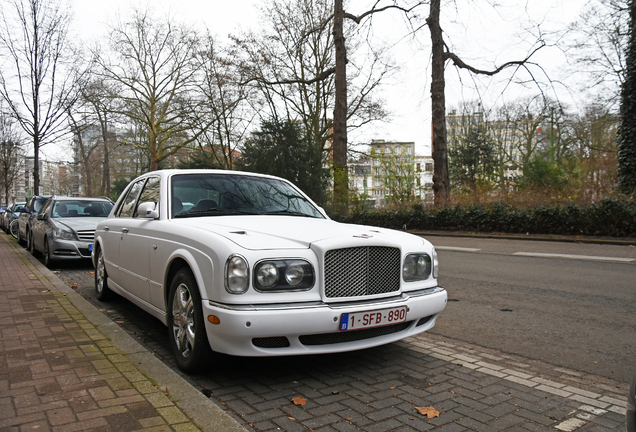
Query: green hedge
[{"x": 609, "y": 217}]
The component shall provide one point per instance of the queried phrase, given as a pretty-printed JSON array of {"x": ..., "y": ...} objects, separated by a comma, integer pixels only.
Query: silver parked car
[{"x": 65, "y": 227}]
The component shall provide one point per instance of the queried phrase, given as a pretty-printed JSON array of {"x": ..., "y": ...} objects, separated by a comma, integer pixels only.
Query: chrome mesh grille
[
  {"x": 86, "y": 236},
  {"x": 362, "y": 271}
]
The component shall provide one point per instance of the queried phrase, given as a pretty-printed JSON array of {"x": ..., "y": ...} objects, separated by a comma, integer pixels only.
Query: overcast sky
[{"x": 482, "y": 35}]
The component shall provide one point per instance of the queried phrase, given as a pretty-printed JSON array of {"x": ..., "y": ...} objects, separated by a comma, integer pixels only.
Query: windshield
[
  {"x": 230, "y": 194},
  {"x": 81, "y": 208}
]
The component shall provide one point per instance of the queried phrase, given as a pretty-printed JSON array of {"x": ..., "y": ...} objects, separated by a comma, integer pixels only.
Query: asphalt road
[{"x": 567, "y": 304}]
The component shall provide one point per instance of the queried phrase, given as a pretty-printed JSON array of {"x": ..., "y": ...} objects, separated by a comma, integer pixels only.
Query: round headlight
[
  {"x": 294, "y": 274},
  {"x": 267, "y": 275},
  {"x": 237, "y": 275},
  {"x": 409, "y": 267}
]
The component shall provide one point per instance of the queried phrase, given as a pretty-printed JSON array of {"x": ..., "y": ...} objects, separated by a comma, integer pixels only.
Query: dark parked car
[
  {"x": 26, "y": 219},
  {"x": 10, "y": 214},
  {"x": 65, "y": 227}
]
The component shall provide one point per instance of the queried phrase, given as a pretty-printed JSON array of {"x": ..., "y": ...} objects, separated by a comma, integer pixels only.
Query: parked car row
[
  {"x": 58, "y": 227},
  {"x": 10, "y": 214}
]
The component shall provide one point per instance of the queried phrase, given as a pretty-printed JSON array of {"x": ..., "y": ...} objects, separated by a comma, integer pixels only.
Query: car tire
[
  {"x": 28, "y": 240},
  {"x": 30, "y": 245},
  {"x": 186, "y": 327},
  {"x": 21, "y": 241},
  {"x": 48, "y": 262},
  {"x": 102, "y": 292}
]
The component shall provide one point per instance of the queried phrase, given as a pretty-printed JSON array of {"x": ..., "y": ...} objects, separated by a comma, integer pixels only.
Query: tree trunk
[
  {"x": 36, "y": 165},
  {"x": 340, "y": 174},
  {"x": 441, "y": 179},
  {"x": 106, "y": 172},
  {"x": 627, "y": 127},
  {"x": 106, "y": 137}
]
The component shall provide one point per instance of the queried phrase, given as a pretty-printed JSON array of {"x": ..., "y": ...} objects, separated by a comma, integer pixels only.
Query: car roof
[
  {"x": 170, "y": 172},
  {"x": 70, "y": 198}
]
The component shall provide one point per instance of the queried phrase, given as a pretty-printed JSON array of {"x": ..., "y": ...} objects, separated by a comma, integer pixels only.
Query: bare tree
[
  {"x": 224, "y": 113},
  {"x": 39, "y": 79},
  {"x": 152, "y": 63},
  {"x": 599, "y": 47},
  {"x": 300, "y": 78},
  {"x": 10, "y": 147},
  {"x": 101, "y": 101},
  {"x": 440, "y": 56}
]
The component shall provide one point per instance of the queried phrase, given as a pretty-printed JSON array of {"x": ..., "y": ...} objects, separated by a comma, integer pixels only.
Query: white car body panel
[{"x": 139, "y": 253}]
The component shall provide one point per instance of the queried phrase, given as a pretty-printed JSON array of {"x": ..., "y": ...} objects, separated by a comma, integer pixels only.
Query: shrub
[{"x": 609, "y": 217}]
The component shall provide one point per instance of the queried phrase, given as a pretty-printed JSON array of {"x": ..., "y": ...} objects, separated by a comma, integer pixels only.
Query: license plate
[{"x": 369, "y": 319}]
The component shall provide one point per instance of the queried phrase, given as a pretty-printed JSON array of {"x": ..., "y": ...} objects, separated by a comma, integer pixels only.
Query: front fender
[{"x": 200, "y": 264}]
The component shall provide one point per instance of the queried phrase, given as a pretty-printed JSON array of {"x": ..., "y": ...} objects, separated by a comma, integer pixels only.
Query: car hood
[
  {"x": 79, "y": 223},
  {"x": 285, "y": 232}
]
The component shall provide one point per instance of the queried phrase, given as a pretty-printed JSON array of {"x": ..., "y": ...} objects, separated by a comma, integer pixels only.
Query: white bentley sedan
[{"x": 248, "y": 265}]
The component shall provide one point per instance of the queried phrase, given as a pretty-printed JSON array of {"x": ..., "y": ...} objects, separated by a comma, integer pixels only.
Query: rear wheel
[
  {"x": 102, "y": 292},
  {"x": 188, "y": 337}
]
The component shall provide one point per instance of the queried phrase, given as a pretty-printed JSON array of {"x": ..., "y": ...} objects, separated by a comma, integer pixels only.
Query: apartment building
[{"x": 390, "y": 173}]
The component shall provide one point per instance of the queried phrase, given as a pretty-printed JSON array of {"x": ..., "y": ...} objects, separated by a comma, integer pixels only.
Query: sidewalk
[{"x": 65, "y": 366}]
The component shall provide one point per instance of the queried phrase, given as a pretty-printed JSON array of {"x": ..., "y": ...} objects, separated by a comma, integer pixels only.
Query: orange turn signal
[{"x": 214, "y": 319}]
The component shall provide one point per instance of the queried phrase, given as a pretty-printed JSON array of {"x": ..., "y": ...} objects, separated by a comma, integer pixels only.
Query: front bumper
[
  {"x": 69, "y": 250},
  {"x": 314, "y": 328}
]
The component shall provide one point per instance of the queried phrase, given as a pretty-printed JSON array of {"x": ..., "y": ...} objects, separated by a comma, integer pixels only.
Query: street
[
  {"x": 574, "y": 310},
  {"x": 561, "y": 320}
]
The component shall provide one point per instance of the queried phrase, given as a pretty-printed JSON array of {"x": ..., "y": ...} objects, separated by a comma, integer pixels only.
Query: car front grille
[
  {"x": 362, "y": 271},
  {"x": 86, "y": 236}
]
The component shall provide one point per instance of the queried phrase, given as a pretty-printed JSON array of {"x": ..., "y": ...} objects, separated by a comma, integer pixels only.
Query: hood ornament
[{"x": 363, "y": 236}]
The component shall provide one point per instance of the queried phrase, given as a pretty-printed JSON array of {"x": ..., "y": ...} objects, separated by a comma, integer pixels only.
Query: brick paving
[
  {"x": 379, "y": 389},
  {"x": 58, "y": 372}
]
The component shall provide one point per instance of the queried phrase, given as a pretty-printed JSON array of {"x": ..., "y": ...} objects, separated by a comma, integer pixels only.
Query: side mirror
[
  {"x": 148, "y": 210},
  {"x": 40, "y": 216}
]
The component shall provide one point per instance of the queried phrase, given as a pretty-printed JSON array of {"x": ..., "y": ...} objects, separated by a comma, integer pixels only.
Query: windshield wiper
[
  {"x": 290, "y": 213},
  {"x": 212, "y": 211}
]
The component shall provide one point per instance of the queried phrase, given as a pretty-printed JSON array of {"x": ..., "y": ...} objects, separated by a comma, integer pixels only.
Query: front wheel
[
  {"x": 188, "y": 338},
  {"x": 48, "y": 262},
  {"x": 14, "y": 229}
]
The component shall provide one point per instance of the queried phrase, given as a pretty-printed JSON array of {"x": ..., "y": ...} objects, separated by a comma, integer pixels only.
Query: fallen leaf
[
  {"x": 429, "y": 412},
  {"x": 299, "y": 400},
  {"x": 90, "y": 272}
]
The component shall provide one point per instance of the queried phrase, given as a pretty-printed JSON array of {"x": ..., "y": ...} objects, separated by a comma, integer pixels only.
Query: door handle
[{"x": 124, "y": 230}]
